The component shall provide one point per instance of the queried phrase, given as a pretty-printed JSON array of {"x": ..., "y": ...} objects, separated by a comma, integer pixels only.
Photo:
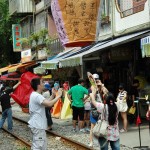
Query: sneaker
[
  {"x": 74, "y": 130},
  {"x": 122, "y": 130},
  {"x": 82, "y": 130},
  {"x": 91, "y": 145},
  {"x": 87, "y": 129}
]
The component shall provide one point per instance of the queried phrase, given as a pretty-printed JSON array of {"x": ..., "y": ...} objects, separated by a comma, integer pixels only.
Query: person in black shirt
[
  {"x": 6, "y": 106},
  {"x": 134, "y": 91},
  {"x": 134, "y": 94}
]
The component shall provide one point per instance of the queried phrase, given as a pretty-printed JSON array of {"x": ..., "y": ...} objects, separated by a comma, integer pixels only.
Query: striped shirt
[{"x": 122, "y": 96}]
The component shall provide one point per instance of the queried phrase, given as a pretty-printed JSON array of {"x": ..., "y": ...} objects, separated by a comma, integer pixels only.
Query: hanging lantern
[{"x": 77, "y": 21}]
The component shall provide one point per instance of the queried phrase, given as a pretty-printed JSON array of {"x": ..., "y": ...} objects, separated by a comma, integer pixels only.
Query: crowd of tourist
[{"x": 88, "y": 105}]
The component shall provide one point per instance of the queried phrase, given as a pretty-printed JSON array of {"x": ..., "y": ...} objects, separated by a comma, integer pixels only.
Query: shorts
[
  {"x": 86, "y": 111},
  {"x": 123, "y": 107},
  {"x": 39, "y": 139},
  {"x": 78, "y": 112},
  {"x": 92, "y": 119}
]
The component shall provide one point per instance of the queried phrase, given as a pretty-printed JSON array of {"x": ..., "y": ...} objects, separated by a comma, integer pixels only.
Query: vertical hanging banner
[
  {"x": 77, "y": 21},
  {"x": 145, "y": 47},
  {"x": 16, "y": 34}
]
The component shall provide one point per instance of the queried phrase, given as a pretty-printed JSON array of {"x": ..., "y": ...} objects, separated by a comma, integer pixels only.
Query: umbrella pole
[{"x": 138, "y": 113}]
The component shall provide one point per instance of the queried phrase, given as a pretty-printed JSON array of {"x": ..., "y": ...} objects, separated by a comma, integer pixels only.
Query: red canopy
[{"x": 11, "y": 76}]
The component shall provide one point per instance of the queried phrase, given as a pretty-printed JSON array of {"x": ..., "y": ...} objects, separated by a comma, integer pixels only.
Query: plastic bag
[{"x": 132, "y": 110}]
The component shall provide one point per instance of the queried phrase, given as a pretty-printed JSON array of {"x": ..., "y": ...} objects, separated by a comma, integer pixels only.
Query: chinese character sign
[
  {"x": 16, "y": 33},
  {"x": 77, "y": 21}
]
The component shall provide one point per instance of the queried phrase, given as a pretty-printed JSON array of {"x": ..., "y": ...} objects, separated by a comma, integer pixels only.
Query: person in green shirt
[{"x": 77, "y": 93}]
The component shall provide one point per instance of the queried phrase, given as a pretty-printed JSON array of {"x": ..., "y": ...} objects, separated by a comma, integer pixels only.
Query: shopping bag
[
  {"x": 100, "y": 128},
  {"x": 132, "y": 110}
]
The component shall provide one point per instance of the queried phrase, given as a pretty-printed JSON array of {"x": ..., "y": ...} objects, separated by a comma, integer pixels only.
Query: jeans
[
  {"x": 115, "y": 145},
  {"x": 48, "y": 116},
  {"x": 7, "y": 113}
]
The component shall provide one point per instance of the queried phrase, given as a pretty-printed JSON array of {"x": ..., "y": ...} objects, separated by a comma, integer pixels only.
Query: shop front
[{"x": 116, "y": 61}]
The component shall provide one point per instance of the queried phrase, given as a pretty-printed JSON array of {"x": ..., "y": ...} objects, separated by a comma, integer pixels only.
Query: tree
[{"x": 6, "y": 49}]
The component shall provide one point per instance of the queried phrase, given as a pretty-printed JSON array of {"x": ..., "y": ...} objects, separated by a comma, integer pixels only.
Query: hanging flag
[
  {"x": 138, "y": 120},
  {"x": 77, "y": 21},
  {"x": 66, "y": 112}
]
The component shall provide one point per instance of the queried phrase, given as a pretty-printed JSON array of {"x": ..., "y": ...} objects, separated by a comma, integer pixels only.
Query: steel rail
[
  {"x": 17, "y": 137},
  {"x": 71, "y": 141}
]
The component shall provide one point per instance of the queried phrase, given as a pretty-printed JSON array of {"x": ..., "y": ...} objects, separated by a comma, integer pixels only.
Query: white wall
[{"x": 131, "y": 22}]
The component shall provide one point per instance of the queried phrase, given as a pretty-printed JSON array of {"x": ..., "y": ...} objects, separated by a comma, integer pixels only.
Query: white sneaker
[
  {"x": 87, "y": 129},
  {"x": 123, "y": 130},
  {"x": 91, "y": 145},
  {"x": 82, "y": 130},
  {"x": 74, "y": 130}
]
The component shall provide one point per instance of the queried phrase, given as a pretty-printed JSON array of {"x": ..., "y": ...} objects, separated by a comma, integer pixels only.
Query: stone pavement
[{"x": 130, "y": 138}]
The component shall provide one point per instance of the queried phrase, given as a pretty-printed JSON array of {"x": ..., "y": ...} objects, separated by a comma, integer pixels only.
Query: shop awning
[
  {"x": 50, "y": 64},
  {"x": 5, "y": 69},
  {"x": 21, "y": 65},
  {"x": 10, "y": 76},
  {"x": 39, "y": 70},
  {"x": 77, "y": 59},
  {"x": 53, "y": 63}
]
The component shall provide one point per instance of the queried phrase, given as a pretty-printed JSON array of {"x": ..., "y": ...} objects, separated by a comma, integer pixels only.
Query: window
[
  {"x": 105, "y": 11},
  {"x": 129, "y": 7}
]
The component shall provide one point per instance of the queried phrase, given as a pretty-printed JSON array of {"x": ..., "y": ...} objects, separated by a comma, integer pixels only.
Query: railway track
[
  {"x": 52, "y": 137},
  {"x": 15, "y": 140}
]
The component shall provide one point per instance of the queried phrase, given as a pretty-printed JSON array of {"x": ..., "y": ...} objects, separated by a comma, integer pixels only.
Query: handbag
[
  {"x": 100, "y": 128},
  {"x": 132, "y": 110}
]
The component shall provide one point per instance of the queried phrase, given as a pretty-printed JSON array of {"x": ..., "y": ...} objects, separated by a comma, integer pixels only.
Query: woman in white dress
[{"x": 122, "y": 102}]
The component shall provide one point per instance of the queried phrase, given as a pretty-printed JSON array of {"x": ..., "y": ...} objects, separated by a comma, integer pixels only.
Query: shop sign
[
  {"x": 26, "y": 56},
  {"x": 120, "y": 54},
  {"x": 145, "y": 47},
  {"x": 16, "y": 34},
  {"x": 42, "y": 54}
]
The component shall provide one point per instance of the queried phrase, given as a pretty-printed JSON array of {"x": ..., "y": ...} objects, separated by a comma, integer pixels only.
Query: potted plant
[
  {"x": 42, "y": 34},
  {"x": 24, "y": 43},
  {"x": 105, "y": 19}
]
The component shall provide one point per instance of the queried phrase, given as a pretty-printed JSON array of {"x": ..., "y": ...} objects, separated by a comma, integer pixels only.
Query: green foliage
[
  {"x": 6, "y": 49},
  {"x": 24, "y": 148},
  {"x": 42, "y": 34},
  {"x": 35, "y": 37},
  {"x": 25, "y": 43}
]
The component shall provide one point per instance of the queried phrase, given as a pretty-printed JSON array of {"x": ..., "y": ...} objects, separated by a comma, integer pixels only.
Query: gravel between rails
[
  {"x": 54, "y": 143},
  {"x": 8, "y": 142},
  {"x": 62, "y": 129}
]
